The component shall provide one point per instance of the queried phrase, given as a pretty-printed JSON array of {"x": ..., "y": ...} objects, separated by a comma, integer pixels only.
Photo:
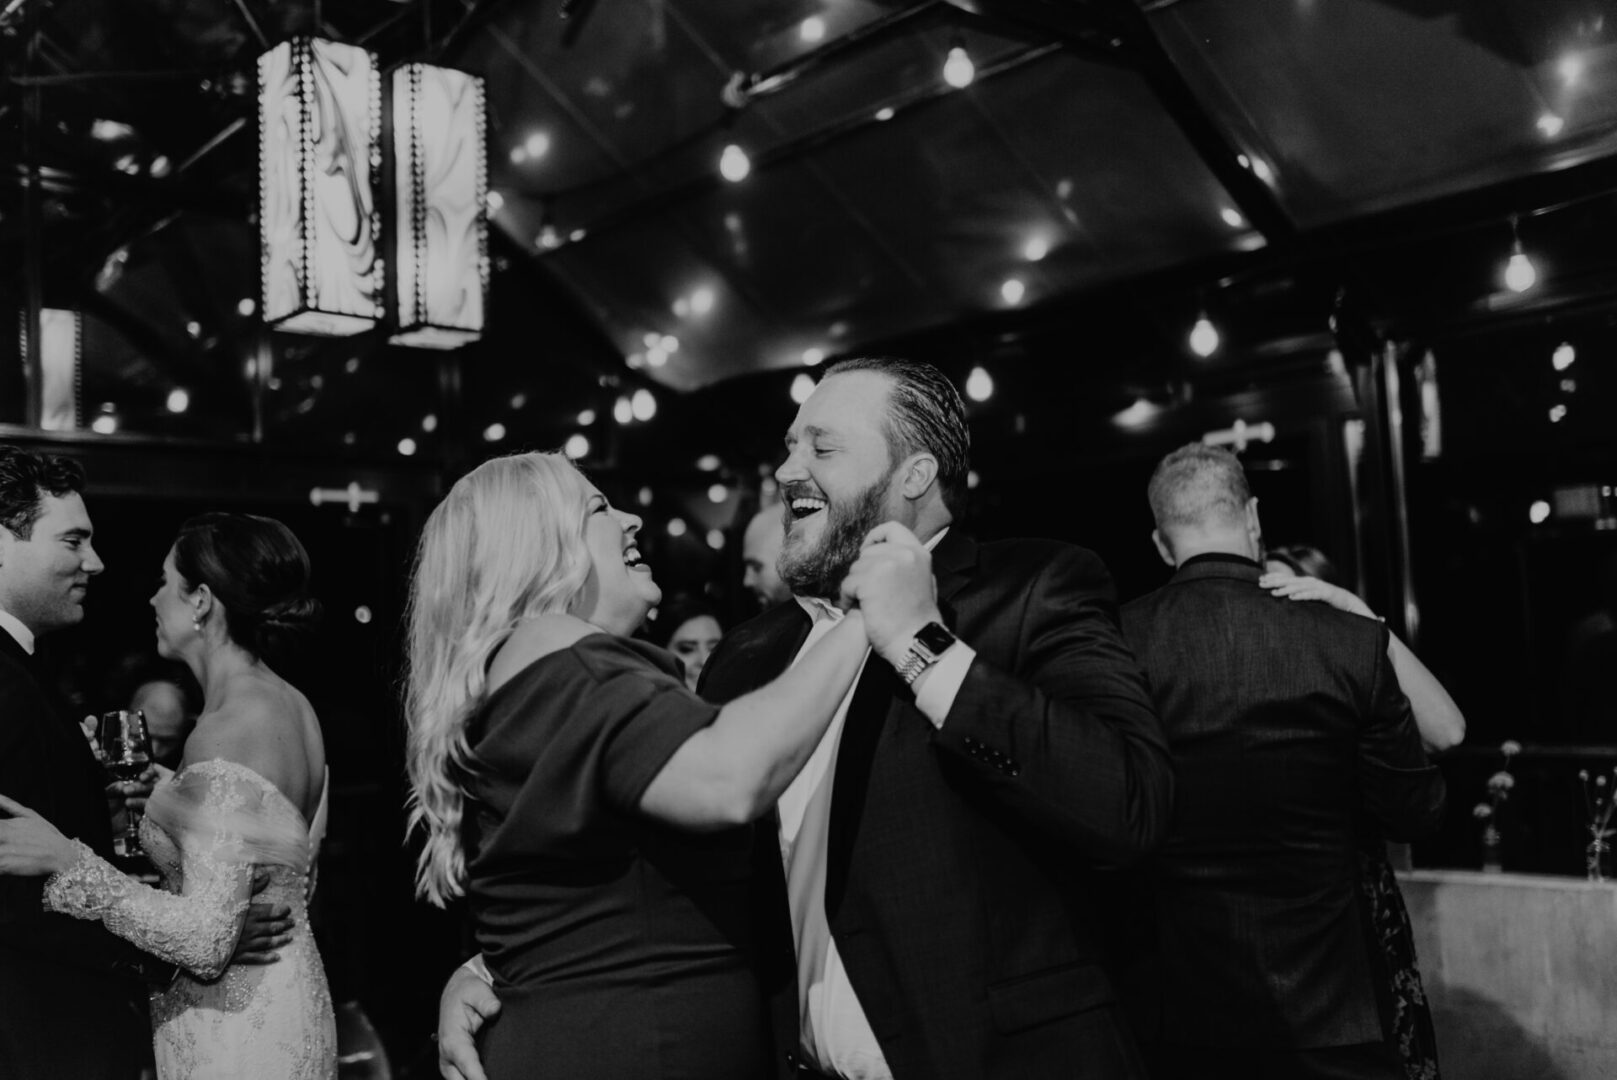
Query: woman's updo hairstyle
[{"x": 258, "y": 570}]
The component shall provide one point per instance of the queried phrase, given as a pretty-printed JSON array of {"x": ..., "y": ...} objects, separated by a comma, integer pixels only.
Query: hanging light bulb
[
  {"x": 577, "y": 446},
  {"x": 1563, "y": 356},
  {"x": 734, "y": 164},
  {"x": 1520, "y": 273},
  {"x": 643, "y": 405},
  {"x": 802, "y": 387},
  {"x": 1204, "y": 337},
  {"x": 979, "y": 385},
  {"x": 622, "y": 411},
  {"x": 958, "y": 70}
]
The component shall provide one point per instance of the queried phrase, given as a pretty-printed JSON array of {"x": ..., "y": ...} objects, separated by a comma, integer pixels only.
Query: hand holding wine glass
[{"x": 128, "y": 757}]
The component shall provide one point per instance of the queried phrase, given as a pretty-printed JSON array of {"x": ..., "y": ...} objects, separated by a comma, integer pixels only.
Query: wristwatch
[{"x": 929, "y": 643}]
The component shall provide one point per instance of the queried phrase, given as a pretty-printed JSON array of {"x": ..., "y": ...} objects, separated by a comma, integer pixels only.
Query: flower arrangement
[
  {"x": 1599, "y": 797},
  {"x": 1499, "y": 787}
]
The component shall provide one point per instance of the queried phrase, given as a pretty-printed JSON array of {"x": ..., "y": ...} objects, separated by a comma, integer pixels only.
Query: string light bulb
[
  {"x": 1204, "y": 339},
  {"x": 979, "y": 385},
  {"x": 958, "y": 70},
  {"x": 644, "y": 405},
  {"x": 802, "y": 387},
  {"x": 734, "y": 164},
  {"x": 1520, "y": 273}
]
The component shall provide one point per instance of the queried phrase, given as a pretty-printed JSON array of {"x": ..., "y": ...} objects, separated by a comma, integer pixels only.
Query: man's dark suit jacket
[
  {"x": 71, "y": 999},
  {"x": 958, "y": 862},
  {"x": 1286, "y": 722}
]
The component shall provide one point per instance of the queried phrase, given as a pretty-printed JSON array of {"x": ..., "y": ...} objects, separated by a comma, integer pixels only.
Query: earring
[{"x": 196, "y": 623}]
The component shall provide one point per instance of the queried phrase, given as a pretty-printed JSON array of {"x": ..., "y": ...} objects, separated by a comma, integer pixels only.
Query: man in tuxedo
[
  {"x": 1286, "y": 722},
  {"x": 923, "y": 892},
  {"x": 72, "y": 995}
]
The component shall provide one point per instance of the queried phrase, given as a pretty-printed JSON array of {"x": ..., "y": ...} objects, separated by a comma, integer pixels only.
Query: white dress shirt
[
  {"x": 835, "y": 1036},
  {"x": 13, "y": 626}
]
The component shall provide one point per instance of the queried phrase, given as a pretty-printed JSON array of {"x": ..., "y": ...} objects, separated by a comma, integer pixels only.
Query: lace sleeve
[{"x": 196, "y": 928}]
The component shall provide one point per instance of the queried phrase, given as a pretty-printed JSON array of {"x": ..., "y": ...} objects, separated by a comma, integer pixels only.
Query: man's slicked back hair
[
  {"x": 924, "y": 412},
  {"x": 1198, "y": 486},
  {"x": 25, "y": 479}
]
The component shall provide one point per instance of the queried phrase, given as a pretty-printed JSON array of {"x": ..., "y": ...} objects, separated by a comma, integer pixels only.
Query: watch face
[{"x": 935, "y": 638}]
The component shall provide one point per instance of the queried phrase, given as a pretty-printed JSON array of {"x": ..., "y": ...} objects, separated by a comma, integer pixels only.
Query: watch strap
[{"x": 918, "y": 656}]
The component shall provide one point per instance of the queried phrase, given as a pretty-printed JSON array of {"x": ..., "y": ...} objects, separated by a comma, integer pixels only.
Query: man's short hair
[
  {"x": 924, "y": 412},
  {"x": 1198, "y": 486},
  {"x": 25, "y": 478}
]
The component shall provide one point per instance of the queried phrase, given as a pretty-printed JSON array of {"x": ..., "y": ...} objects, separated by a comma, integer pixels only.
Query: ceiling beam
[{"x": 1121, "y": 28}]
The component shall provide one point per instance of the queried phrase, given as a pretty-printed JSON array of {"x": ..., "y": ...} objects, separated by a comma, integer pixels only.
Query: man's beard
[{"x": 818, "y": 571}]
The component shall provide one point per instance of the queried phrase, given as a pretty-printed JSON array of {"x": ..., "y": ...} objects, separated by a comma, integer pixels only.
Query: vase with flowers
[
  {"x": 1487, "y": 812},
  {"x": 1599, "y": 796}
]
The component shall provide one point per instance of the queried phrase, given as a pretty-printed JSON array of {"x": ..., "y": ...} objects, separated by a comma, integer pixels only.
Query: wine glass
[{"x": 129, "y": 752}]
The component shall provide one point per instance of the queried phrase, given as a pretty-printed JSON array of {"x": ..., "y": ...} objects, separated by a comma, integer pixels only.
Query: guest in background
[
  {"x": 1588, "y": 690},
  {"x": 166, "y": 694},
  {"x": 689, "y": 628},
  {"x": 760, "y": 554},
  {"x": 1304, "y": 572},
  {"x": 1286, "y": 725}
]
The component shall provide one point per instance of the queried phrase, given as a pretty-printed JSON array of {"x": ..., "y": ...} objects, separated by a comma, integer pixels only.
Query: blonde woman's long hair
[{"x": 506, "y": 544}]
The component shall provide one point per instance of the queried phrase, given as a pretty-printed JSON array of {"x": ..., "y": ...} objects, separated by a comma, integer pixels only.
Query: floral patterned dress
[
  {"x": 205, "y": 829},
  {"x": 1407, "y": 1015}
]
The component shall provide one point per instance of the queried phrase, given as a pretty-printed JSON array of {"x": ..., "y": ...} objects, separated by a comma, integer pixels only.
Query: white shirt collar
[
  {"x": 13, "y": 626},
  {"x": 820, "y": 608}
]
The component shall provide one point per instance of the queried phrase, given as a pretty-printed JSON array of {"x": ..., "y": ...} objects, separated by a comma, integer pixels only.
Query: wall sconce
[
  {"x": 319, "y": 153},
  {"x": 440, "y": 223}
]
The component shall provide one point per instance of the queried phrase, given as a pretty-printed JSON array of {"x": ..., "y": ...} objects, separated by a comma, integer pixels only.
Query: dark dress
[
  {"x": 1406, "y": 1013},
  {"x": 620, "y": 947}
]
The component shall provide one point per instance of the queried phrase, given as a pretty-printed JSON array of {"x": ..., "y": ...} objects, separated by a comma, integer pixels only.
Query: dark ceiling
[{"x": 1114, "y": 169}]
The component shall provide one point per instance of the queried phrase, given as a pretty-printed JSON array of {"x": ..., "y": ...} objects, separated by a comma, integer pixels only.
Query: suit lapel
[
  {"x": 754, "y": 653},
  {"x": 77, "y": 806},
  {"x": 11, "y": 648},
  {"x": 874, "y": 699}
]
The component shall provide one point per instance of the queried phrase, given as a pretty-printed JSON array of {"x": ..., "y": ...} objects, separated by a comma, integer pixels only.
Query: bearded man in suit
[{"x": 1286, "y": 722}]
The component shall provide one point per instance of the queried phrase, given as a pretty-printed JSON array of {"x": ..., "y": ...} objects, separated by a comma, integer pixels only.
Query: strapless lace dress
[{"x": 205, "y": 829}]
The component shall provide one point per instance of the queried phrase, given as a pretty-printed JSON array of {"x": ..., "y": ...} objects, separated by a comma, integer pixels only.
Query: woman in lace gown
[{"x": 250, "y": 791}]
